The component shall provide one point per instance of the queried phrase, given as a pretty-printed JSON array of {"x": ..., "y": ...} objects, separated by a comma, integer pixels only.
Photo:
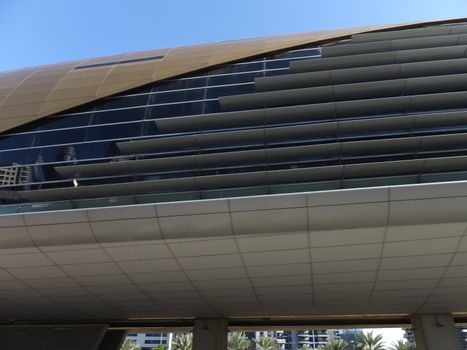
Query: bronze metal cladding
[{"x": 33, "y": 93}]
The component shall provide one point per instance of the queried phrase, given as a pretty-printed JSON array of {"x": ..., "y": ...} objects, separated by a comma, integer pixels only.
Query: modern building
[
  {"x": 147, "y": 341},
  {"x": 461, "y": 334},
  {"x": 295, "y": 340},
  {"x": 300, "y": 180}
]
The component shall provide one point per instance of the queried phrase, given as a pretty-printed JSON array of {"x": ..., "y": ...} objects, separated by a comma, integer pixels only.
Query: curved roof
[{"x": 32, "y": 93}]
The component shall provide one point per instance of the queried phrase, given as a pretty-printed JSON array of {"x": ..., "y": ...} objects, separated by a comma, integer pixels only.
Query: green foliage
[
  {"x": 402, "y": 345},
  {"x": 183, "y": 341},
  {"x": 306, "y": 347},
  {"x": 267, "y": 343},
  {"x": 159, "y": 347},
  {"x": 129, "y": 344},
  {"x": 237, "y": 341},
  {"x": 334, "y": 344},
  {"x": 368, "y": 341}
]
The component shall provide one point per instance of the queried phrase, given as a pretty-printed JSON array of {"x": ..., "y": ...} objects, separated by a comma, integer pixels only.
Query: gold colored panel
[
  {"x": 79, "y": 83},
  {"x": 104, "y": 59},
  {"x": 16, "y": 75},
  {"x": 20, "y": 110},
  {"x": 9, "y": 84},
  {"x": 28, "y": 88},
  {"x": 128, "y": 76},
  {"x": 112, "y": 89},
  {"x": 4, "y": 92},
  {"x": 88, "y": 72},
  {"x": 10, "y": 123},
  {"x": 67, "y": 93},
  {"x": 18, "y": 99},
  {"x": 54, "y": 106},
  {"x": 135, "y": 67},
  {"x": 144, "y": 54},
  {"x": 64, "y": 87},
  {"x": 184, "y": 59},
  {"x": 233, "y": 50}
]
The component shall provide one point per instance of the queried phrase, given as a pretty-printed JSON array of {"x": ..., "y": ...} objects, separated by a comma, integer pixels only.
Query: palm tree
[
  {"x": 368, "y": 341},
  {"x": 129, "y": 344},
  {"x": 267, "y": 343},
  {"x": 183, "y": 341},
  {"x": 402, "y": 345},
  {"x": 237, "y": 341},
  {"x": 159, "y": 347},
  {"x": 334, "y": 344}
]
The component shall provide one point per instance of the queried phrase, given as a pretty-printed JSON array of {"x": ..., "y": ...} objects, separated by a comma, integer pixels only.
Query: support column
[
  {"x": 210, "y": 334},
  {"x": 435, "y": 331}
]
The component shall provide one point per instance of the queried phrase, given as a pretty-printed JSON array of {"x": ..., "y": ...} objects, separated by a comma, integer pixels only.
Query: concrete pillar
[
  {"x": 435, "y": 331},
  {"x": 210, "y": 334},
  {"x": 58, "y": 337}
]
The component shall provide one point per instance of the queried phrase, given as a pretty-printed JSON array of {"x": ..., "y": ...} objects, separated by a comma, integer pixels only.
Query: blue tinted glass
[
  {"x": 94, "y": 149},
  {"x": 180, "y": 84},
  {"x": 60, "y": 137},
  {"x": 149, "y": 128},
  {"x": 211, "y": 107},
  {"x": 175, "y": 110},
  {"x": 65, "y": 121},
  {"x": 107, "y": 132},
  {"x": 177, "y": 96},
  {"x": 230, "y": 90},
  {"x": 277, "y": 64},
  {"x": 18, "y": 157},
  {"x": 118, "y": 116},
  {"x": 237, "y": 68},
  {"x": 16, "y": 141},
  {"x": 233, "y": 79},
  {"x": 120, "y": 102},
  {"x": 271, "y": 73}
]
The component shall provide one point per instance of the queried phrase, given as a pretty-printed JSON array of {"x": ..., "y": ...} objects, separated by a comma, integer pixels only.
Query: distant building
[
  {"x": 148, "y": 340},
  {"x": 461, "y": 333},
  {"x": 13, "y": 175}
]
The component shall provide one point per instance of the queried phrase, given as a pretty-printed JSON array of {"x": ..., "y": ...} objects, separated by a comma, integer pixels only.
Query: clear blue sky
[{"x": 34, "y": 32}]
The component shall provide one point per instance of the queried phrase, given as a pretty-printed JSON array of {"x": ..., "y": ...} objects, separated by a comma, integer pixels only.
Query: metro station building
[{"x": 301, "y": 180}]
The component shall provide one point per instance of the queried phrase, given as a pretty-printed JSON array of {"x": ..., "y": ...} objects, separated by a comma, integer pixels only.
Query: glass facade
[{"x": 186, "y": 138}]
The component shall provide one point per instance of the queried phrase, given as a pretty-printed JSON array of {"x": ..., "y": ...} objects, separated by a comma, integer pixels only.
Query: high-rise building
[
  {"x": 461, "y": 334},
  {"x": 13, "y": 175},
  {"x": 147, "y": 341},
  {"x": 298, "y": 178},
  {"x": 295, "y": 340}
]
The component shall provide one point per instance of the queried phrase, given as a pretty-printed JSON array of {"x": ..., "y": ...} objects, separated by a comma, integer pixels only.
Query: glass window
[
  {"x": 118, "y": 116},
  {"x": 16, "y": 141},
  {"x": 177, "y": 96},
  {"x": 180, "y": 84},
  {"x": 237, "y": 68},
  {"x": 175, "y": 110},
  {"x": 301, "y": 53},
  {"x": 233, "y": 78},
  {"x": 65, "y": 121},
  {"x": 91, "y": 150},
  {"x": 230, "y": 90},
  {"x": 60, "y": 137},
  {"x": 108, "y": 132},
  {"x": 121, "y": 102},
  {"x": 211, "y": 107},
  {"x": 19, "y": 157},
  {"x": 277, "y": 64},
  {"x": 149, "y": 128},
  {"x": 270, "y": 73}
]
